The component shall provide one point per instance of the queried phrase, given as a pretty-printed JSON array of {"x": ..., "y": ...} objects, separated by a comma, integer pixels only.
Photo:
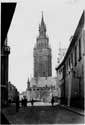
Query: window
[
  {"x": 67, "y": 65},
  {"x": 69, "y": 62},
  {"x": 72, "y": 59},
  {"x": 61, "y": 70},
  {"x": 79, "y": 49},
  {"x": 75, "y": 55}
]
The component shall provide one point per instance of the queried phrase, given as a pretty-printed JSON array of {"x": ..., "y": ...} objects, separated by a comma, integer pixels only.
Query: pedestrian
[
  {"x": 22, "y": 102},
  {"x": 17, "y": 103},
  {"x": 52, "y": 101},
  {"x": 32, "y": 102},
  {"x": 25, "y": 101}
]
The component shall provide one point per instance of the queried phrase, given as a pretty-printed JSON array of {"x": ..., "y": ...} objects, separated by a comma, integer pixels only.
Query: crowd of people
[{"x": 24, "y": 102}]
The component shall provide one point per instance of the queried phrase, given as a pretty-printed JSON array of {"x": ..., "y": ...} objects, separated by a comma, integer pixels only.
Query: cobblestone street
[{"x": 42, "y": 115}]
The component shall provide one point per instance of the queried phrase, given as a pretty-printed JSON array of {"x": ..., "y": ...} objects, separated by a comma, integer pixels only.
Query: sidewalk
[
  {"x": 10, "y": 113},
  {"x": 76, "y": 110}
]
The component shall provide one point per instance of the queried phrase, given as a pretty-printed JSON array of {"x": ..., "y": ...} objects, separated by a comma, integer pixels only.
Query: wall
[{"x": 74, "y": 75}]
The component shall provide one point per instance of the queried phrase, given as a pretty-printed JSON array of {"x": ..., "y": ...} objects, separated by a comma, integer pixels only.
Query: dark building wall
[
  {"x": 7, "y": 10},
  {"x": 4, "y": 74}
]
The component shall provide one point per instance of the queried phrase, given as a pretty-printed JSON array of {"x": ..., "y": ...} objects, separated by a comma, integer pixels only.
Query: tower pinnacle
[
  {"x": 42, "y": 27},
  {"x": 42, "y": 20}
]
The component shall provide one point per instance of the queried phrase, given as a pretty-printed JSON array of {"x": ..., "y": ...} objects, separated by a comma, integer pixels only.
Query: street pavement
[
  {"x": 42, "y": 114},
  {"x": 3, "y": 119}
]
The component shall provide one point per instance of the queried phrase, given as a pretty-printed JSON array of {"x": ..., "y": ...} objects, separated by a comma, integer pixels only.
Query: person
[
  {"x": 22, "y": 102},
  {"x": 17, "y": 103},
  {"x": 25, "y": 101},
  {"x": 52, "y": 101},
  {"x": 32, "y": 102}
]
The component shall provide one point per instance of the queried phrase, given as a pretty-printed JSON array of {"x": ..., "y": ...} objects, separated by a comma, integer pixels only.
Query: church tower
[{"x": 42, "y": 53}]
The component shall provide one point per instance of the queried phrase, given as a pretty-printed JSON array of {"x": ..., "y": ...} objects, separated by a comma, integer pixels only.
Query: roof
[{"x": 75, "y": 37}]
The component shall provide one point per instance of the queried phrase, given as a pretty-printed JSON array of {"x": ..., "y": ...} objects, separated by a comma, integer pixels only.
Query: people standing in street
[
  {"x": 52, "y": 101},
  {"x": 32, "y": 102},
  {"x": 22, "y": 104},
  {"x": 25, "y": 101},
  {"x": 17, "y": 103}
]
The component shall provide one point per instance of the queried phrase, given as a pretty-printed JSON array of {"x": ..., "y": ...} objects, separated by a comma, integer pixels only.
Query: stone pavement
[
  {"x": 3, "y": 119},
  {"x": 76, "y": 110},
  {"x": 42, "y": 114}
]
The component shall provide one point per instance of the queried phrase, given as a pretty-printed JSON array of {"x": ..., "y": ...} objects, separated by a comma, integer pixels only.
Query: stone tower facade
[{"x": 42, "y": 53}]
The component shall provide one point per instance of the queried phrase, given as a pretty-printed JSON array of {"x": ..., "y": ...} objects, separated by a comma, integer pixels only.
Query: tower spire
[
  {"x": 42, "y": 26},
  {"x": 42, "y": 20}
]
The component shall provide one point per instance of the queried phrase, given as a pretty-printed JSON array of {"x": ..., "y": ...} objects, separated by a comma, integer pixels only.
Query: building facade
[
  {"x": 5, "y": 51},
  {"x": 42, "y": 53},
  {"x": 71, "y": 71},
  {"x": 43, "y": 93},
  {"x": 61, "y": 54},
  {"x": 12, "y": 92},
  {"x": 43, "y": 90},
  {"x": 24, "y": 94}
]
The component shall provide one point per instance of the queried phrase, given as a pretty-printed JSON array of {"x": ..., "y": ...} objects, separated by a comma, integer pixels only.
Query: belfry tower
[{"x": 42, "y": 53}]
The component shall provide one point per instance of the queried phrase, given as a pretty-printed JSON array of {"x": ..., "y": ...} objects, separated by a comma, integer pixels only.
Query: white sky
[{"x": 61, "y": 18}]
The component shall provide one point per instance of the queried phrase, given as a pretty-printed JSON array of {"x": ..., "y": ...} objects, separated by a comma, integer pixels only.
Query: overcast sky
[{"x": 61, "y": 18}]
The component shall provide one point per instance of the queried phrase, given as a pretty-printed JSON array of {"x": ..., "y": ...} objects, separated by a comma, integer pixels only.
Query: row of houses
[
  {"x": 12, "y": 92},
  {"x": 71, "y": 71}
]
